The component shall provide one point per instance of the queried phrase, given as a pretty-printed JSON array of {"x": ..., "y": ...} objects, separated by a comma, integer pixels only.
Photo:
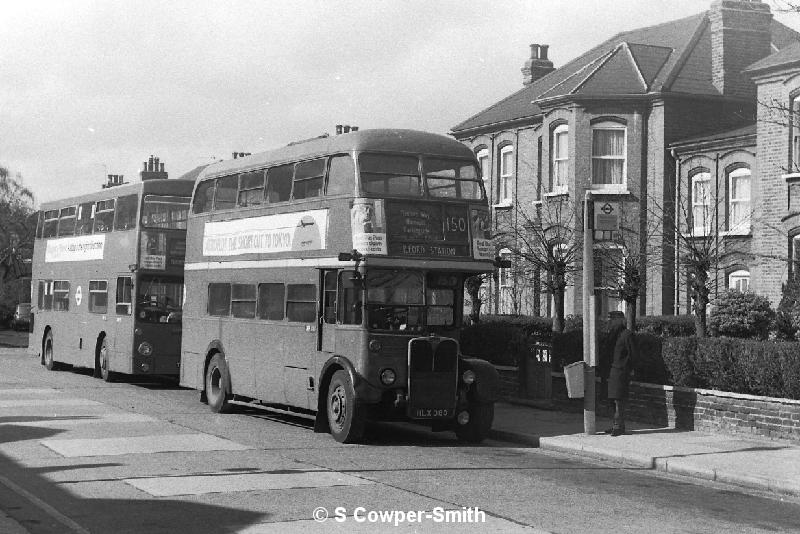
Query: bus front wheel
[
  {"x": 217, "y": 390},
  {"x": 481, "y": 416},
  {"x": 49, "y": 362},
  {"x": 345, "y": 413}
]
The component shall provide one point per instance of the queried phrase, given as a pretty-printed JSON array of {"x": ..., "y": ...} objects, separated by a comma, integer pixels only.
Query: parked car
[{"x": 22, "y": 317}]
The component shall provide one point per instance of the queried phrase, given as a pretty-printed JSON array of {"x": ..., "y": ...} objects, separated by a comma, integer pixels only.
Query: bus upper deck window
[
  {"x": 203, "y": 197},
  {"x": 50, "y": 228},
  {"x": 452, "y": 179},
  {"x": 308, "y": 179},
  {"x": 385, "y": 174},
  {"x": 66, "y": 221},
  {"x": 251, "y": 188},
  {"x": 83, "y": 225},
  {"x": 225, "y": 195},
  {"x": 279, "y": 183},
  {"x": 341, "y": 173},
  {"x": 104, "y": 215},
  {"x": 126, "y": 212}
]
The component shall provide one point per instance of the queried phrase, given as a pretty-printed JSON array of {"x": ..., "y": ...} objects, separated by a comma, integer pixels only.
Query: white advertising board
[
  {"x": 80, "y": 248},
  {"x": 305, "y": 230}
]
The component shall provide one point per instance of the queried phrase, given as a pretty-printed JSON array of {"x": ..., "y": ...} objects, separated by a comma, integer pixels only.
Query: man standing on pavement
[{"x": 619, "y": 378}]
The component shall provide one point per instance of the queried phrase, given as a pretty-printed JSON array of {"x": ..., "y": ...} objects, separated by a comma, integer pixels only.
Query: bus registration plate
[{"x": 431, "y": 413}]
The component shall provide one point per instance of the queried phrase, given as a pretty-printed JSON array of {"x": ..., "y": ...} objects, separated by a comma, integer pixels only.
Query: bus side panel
[
  {"x": 241, "y": 342},
  {"x": 268, "y": 360}
]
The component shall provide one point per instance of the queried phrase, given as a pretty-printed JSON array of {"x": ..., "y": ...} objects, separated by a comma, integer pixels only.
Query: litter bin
[{"x": 573, "y": 374}]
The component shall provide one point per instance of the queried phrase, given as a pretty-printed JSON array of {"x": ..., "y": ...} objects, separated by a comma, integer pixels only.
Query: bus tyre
[
  {"x": 49, "y": 361},
  {"x": 102, "y": 360},
  {"x": 481, "y": 416},
  {"x": 217, "y": 390},
  {"x": 345, "y": 412}
]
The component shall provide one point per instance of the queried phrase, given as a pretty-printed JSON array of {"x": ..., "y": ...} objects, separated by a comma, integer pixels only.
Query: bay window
[
  {"x": 560, "y": 149},
  {"x": 608, "y": 154}
]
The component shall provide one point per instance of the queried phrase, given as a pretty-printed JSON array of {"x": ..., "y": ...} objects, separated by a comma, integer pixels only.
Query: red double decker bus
[
  {"x": 107, "y": 286},
  {"x": 327, "y": 278}
]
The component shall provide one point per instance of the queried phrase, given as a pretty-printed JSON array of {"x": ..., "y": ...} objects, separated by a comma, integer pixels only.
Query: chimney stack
[
  {"x": 740, "y": 36},
  {"x": 538, "y": 65},
  {"x": 153, "y": 169},
  {"x": 114, "y": 180}
]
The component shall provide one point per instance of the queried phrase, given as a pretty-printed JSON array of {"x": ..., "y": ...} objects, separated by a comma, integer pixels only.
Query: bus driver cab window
[{"x": 350, "y": 297}]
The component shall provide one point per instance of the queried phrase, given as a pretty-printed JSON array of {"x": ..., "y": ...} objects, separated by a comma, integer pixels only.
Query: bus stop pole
[{"x": 589, "y": 326}]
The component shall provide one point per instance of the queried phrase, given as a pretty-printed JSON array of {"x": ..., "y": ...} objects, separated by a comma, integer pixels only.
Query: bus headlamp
[
  {"x": 468, "y": 377},
  {"x": 145, "y": 348},
  {"x": 388, "y": 376},
  {"x": 375, "y": 345}
]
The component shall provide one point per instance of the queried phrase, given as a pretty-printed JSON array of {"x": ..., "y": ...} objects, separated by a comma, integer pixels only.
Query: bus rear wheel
[
  {"x": 102, "y": 361},
  {"x": 481, "y": 416},
  {"x": 217, "y": 389},
  {"x": 49, "y": 360},
  {"x": 345, "y": 413}
]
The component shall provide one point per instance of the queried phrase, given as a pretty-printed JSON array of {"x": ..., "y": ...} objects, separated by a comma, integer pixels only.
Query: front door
[{"x": 327, "y": 317}]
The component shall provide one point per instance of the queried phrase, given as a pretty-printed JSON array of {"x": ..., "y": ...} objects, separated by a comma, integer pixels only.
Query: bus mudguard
[
  {"x": 213, "y": 348},
  {"x": 487, "y": 379}
]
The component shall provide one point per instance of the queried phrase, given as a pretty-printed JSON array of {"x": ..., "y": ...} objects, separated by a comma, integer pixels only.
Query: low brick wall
[{"x": 696, "y": 409}]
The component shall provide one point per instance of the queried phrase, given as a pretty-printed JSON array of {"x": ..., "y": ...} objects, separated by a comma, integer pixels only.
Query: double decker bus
[
  {"x": 107, "y": 286},
  {"x": 327, "y": 278}
]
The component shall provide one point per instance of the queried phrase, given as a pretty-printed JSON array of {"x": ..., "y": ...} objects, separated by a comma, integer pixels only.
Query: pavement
[{"x": 742, "y": 460}]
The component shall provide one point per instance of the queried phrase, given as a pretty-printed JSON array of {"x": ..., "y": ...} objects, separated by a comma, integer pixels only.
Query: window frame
[
  {"x": 505, "y": 195},
  {"x": 504, "y": 274},
  {"x": 71, "y": 213},
  {"x": 558, "y": 184},
  {"x": 60, "y": 293},
  {"x": 92, "y": 306},
  {"x": 701, "y": 175},
  {"x": 743, "y": 226},
  {"x": 610, "y": 125},
  {"x": 291, "y": 302},
  {"x": 739, "y": 275},
  {"x": 261, "y": 313},
  {"x": 122, "y": 306},
  {"x": 243, "y": 300}
]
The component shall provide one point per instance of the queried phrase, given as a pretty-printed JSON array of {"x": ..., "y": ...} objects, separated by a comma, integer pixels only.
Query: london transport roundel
[{"x": 78, "y": 295}]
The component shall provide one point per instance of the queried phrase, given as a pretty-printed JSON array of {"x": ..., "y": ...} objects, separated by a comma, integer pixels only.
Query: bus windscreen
[
  {"x": 165, "y": 212},
  {"x": 159, "y": 300},
  {"x": 404, "y": 300}
]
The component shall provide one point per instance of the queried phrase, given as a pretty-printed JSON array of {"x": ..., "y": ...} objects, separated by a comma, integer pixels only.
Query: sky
[{"x": 90, "y": 88}]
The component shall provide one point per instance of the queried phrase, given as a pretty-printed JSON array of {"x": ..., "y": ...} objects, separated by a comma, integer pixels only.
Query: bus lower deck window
[
  {"x": 219, "y": 300},
  {"x": 243, "y": 301},
  {"x": 301, "y": 302},
  {"x": 61, "y": 295},
  {"x": 98, "y": 296},
  {"x": 271, "y": 301}
]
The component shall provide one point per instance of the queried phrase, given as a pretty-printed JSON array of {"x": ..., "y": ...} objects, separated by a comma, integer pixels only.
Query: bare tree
[{"x": 543, "y": 244}]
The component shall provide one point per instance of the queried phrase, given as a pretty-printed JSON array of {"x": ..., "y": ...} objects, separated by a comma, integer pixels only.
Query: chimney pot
[
  {"x": 347, "y": 128},
  {"x": 338, "y": 129},
  {"x": 354, "y": 128},
  {"x": 534, "y": 51},
  {"x": 162, "y": 167},
  {"x": 543, "y": 51}
]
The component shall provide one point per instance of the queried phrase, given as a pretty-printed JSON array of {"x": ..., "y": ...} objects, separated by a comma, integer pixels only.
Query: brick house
[{"x": 609, "y": 121}]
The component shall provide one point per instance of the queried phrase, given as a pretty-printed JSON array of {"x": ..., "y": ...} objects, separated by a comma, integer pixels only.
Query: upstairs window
[
  {"x": 739, "y": 199},
  {"x": 84, "y": 223},
  {"x": 560, "y": 151},
  {"x": 483, "y": 162},
  {"x": 103, "y": 216},
  {"x": 452, "y": 179},
  {"x": 608, "y": 153},
  {"x": 251, "y": 188},
  {"x": 50, "y": 228},
  {"x": 504, "y": 193},
  {"x": 126, "y": 212},
  {"x": 203, "y": 197},
  {"x": 504, "y": 274},
  {"x": 385, "y": 174},
  {"x": 225, "y": 195},
  {"x": 279, "y": 183},
  {"x": 701, "y": 203},
  {"x": 341, "y": 176},
  {"x": 309, "y": 179},
  {"x": 66, "y": 221}
]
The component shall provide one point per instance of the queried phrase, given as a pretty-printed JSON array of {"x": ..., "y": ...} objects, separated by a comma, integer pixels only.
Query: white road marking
[
  {"x": 30, "y": 391},
  {"x": 73, "y": 448},
  {"x": 199, "y": 485},
  {"x": 75, "y": 420},
  {"x": 48, "y": 402}
]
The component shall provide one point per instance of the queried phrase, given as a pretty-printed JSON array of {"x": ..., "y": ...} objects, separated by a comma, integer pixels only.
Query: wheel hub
[{"x": 338, "y": 405}]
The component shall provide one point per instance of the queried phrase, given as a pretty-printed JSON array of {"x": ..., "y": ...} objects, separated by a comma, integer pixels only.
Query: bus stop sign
[{"x": 606, "y": 216}]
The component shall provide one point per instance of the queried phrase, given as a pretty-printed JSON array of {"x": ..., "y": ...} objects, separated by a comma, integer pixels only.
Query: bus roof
[
  {"x": 158, "y": 187},
  {"x": 379, "y": 140}
]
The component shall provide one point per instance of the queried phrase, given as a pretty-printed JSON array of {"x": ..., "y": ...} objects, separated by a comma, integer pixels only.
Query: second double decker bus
[
  {"x": 327, "y": 278},
  {"x": 107, "y": 285}
]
